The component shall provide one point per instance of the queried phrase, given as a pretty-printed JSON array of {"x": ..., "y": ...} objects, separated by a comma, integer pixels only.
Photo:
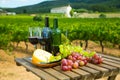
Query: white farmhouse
[
  {"x": 65, "y": 10},
  {"x": 10, "y": 13},
  {"x": 1, "y": 10}
]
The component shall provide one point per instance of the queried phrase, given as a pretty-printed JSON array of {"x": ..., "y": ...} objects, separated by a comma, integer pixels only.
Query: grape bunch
[
  {"x": 74, "y": 60},
  {"x": 96, "y": 59}
]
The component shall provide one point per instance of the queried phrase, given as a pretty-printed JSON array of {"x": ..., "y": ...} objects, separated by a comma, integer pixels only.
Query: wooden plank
[
  {"x": 28, "y": 59},
  {"x": 112, "y": 77},
  {"x": 113, "y": 70},
  {"x": 84, "y": 75},
  {"x": 111, "y": 60},
  {"x": 57, "y": 74},
  {"x": 110, "y": 57},
  {"x": 94, "y": 72},
  {"x": 103, "y": 71},
  {"x": 43, "y": 75},
  {"x": 18, "y": 64},
  {"x": 51, "y": 71},
  {"x": 96, "y": 67},
  {"x": 112, "y": 64},
  {"x": 72, "y": 75},
  {"x": 81, "y": 72},
  {"x": 90, "y": 70},
  {"x": 108, "y": 66}
]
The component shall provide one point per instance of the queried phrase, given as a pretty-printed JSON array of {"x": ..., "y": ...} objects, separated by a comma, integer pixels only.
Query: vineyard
[{"x": 15, "y": 29}]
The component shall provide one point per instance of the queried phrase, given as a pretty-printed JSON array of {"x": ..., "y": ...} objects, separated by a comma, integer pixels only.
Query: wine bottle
[
  {"x": 46, "y": 34},
  {"x": 56, "y": 37}
]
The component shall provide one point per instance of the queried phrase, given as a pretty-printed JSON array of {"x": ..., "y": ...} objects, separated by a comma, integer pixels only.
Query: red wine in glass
[
  {"x": 33, "y": 40},
  {"x": 45, "y": 43},
  {"x": 41, "y": 41},
  {"x": 33, "y": 34}
]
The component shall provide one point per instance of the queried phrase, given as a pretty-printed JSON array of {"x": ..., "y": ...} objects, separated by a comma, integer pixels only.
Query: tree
[
  {"x": 102, "y": 16},
  {"x": 24, "y": 11},
  {"x": 72, "y": 12}
]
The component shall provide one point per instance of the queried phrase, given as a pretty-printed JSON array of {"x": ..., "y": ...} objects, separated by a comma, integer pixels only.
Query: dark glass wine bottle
[
  {"x": 56, "y": 37},
  {"x": 46, "y": 34}
]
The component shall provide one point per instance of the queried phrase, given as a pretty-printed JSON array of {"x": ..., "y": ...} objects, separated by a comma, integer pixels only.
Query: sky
[{"x": 18, "y": 3}]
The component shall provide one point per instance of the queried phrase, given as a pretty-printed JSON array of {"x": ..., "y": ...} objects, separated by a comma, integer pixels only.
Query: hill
[{"x": 92, "y": 5}]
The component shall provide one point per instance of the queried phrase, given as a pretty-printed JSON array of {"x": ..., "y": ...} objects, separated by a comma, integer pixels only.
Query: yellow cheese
[{"x": 41, "y": 56}]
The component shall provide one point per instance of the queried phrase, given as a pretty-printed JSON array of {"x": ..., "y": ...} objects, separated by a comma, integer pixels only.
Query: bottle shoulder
[
  {"x": 46, "y": 29},
  {"x": 56, "y": 30}
]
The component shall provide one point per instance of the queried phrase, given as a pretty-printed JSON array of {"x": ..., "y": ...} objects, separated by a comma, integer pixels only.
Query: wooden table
[{"x": 109, "y": 68}]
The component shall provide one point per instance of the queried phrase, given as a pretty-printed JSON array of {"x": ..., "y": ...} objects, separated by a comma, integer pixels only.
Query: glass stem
[
  {"x": 43, "y": 47},
  {"x": 35, "y": 46}
]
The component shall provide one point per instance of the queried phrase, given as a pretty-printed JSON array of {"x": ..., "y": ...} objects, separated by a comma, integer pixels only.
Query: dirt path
[{"x": 9, "y": 70}]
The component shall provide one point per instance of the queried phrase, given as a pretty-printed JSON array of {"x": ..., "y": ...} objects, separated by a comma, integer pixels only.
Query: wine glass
[
  {"x": 33, "y": 34},
  {"x": 40, "y": 38}
]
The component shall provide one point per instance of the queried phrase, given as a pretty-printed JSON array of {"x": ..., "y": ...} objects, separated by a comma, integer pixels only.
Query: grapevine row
[{"x": 15, "y": 29}]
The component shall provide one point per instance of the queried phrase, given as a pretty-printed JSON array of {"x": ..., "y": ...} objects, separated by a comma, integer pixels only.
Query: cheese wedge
[{"x": 41, "y": 56}]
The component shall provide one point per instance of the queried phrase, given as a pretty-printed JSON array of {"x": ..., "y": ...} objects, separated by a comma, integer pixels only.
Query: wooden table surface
[{"x": 109, "y": 68}]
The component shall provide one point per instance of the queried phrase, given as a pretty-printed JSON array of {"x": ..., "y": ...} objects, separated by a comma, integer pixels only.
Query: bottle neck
[
  {"x": 55, "y": 24},
  {"x": 47, "y": 22}
]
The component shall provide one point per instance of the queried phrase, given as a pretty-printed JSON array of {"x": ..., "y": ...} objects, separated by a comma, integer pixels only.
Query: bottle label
[{"x": 46, "y": 33}]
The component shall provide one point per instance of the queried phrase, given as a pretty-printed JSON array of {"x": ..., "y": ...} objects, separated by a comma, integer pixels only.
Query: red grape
[
  {"x": 64, "y": 62},
  {"x": 70, "y": 62},
  {"x": 69, "y": 67},
  {"x": 97, "y": 59},
  {"x": 70, "y": 57},
  {"x": 96, "y": 56},
  {"x": 65, "y": 68},
  {"x": 79, "y": 57},
  {"x": 81, "y": 63},
  {"x": 73, "y": 59},
  {"x": 75, "y": 65},
  {"x": 85, "y": 61}
]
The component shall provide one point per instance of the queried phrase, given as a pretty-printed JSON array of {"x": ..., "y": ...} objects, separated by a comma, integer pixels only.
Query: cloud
[
  {"x": 2, "y": 1},
  {"x": 8, "y": 1},
  {"x": 17, "y": 3}
]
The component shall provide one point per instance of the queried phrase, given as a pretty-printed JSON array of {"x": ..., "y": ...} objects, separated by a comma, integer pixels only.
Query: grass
[{"x": 96, "y": 15}]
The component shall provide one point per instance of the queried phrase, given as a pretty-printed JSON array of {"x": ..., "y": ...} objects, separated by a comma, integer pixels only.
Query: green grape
[
  {"x": 86, "y": 54},
  {"x": 58, "y": 57},
  {"x": 52, "y": 59},
  {"x": 55, "y": 58},
  {"x": 66, "y": 50},
  {"x": 92, "y": 54},
  {"x": 77, "y": 49}
]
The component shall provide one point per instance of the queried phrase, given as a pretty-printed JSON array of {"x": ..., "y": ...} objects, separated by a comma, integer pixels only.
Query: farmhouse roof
[{"x": 63, "y": 7}]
